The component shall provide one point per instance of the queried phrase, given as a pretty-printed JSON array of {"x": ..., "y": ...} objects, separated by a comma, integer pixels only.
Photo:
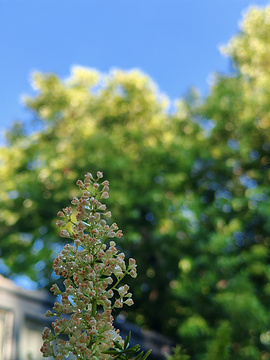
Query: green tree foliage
[
  {"x": 227, "y": 277},
  {"x": 219, "y": 347},
  {"x": 118, "y": 124},
  {"x": 177, "y": 354},
  {"x": 190, "y": 188}
]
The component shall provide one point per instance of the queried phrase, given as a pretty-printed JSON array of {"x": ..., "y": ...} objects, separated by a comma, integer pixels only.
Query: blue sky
[{"x": 174, "y": 41}]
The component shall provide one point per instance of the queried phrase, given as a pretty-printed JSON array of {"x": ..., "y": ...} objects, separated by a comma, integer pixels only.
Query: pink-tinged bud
[
  {"x": 104, "y": 195},
  {"x": 102, "y": 207},
  {"x": 96, "y": 185},
  {"x": 105, "y": 183},
  {"x": 97, "y": 216},
  {"x": 47, "y": 349},
  {"x": 133, "y": 273},
  {"x": 114, "y": 226},
  {"x": 60, "y": 214},
  {"x": 109, "y": 280},
  {"x": 46, "y": 333},
  {"x": 119, "y": 234},
  {"x": 92, "y": 218},
  {"x": 129, "y": 302},
  {"x": 118, "y": 271},
  {"x": 108, "y": 214},
  {"x": 93, "y": 331},
  {"x": 100, "y": 174},
  {"x": 57, "y": 329},
  {"x": 118, "y": 304},
  {"x": 122, "y": 291},
  {"x": 131, "y": 263},
  {"x": 93, "y": 200},
  {"x": 110, "y": 293},
  {"x": 64, "y": 233},
  {"x": 89, "y": 175},
  {"x": 68, "y": 210},
  {"x": 107, "y": 303},
  {"x": 55, "y": 289},
  {"x": 111, "y": 234},
  {"x": 58, "y": 307},
  {"x": 81, "y": 225},
  {"x": 67, "y": 309},
  {"x": 70, "y": 290},
  {"x": 80, "y": 184},
  {"x": 75, "y": 201},
  {"x": 106, "y": 188},
  {"x": 60, "y": 223},
  {"x": 77, "y": 243}
]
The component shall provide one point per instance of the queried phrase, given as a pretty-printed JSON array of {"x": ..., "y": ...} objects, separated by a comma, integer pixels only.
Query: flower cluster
[{"x": 92, "y": 272}]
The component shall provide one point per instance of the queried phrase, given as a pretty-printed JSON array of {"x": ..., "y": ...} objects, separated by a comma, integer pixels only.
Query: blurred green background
[{"x": 189, "y": 189}]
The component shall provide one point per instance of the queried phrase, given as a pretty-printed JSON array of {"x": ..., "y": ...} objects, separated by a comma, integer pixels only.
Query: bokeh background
[{"x": 140, "y": 90}]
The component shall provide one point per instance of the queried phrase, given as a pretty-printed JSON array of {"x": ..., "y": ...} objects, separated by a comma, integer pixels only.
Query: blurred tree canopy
[{"x": 189, "y": 189}]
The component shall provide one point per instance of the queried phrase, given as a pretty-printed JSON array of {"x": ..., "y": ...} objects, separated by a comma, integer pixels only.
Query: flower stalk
[{"x": 92, "y": 270}]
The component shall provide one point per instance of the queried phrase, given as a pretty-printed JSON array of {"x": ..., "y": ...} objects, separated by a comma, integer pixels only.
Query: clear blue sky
[{"x": 174, "y": 41}]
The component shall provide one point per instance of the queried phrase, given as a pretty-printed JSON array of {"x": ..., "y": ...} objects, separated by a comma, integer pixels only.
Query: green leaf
[{"x": 127, "y": 339}]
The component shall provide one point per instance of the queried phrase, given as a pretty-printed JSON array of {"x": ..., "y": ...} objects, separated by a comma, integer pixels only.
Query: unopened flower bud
[
  {"x": 55, "y": 289},
  {"x": 77, "y": 243},
  {"x": 129, "y": 302},
  {"x": 68, "y": 210},
  {"x": 111, "y": 234},
  {"x": 49, "y": 313},
  {"x": 58, "y": 307},
  {"x": 99, "y": 174},
  {"x": 133, "y": 273},
  {"x": 131, "y": 263},
  {"x": 80, "y": 184},
  {"x": 114, "y": 226},
  {"x": 101, "y": 207},
  {"x": 97, "y": 216},
  {"x": 60, "y": 223},
  {"x": 75, "y": 201},
  {"x": 123, "y": 290},
  {"x": 64, "y": 233},
  {"x": 89, "y": 175},
  {"x": 118, "y": 303},
  {"x": 104, "y": 195}
]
